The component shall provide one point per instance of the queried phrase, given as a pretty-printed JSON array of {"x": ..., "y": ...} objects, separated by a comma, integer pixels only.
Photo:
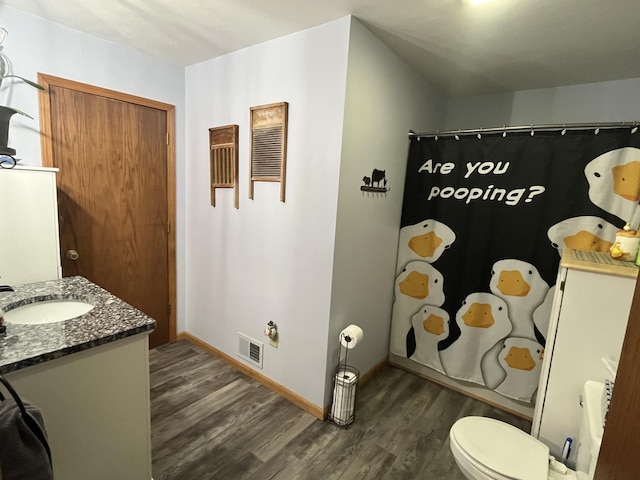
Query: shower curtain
[{"x": 485, "y": 219}]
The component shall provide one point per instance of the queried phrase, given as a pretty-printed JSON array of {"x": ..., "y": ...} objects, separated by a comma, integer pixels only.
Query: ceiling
[{"x": 505, "y": 45}]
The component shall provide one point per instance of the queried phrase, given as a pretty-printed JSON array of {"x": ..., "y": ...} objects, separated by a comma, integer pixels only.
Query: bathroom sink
[{"x": 48, "y": 311}]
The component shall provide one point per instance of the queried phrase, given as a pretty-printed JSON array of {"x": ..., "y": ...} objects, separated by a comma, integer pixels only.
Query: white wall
[
  {"x": 385, "y": 99},
  {"x": 37, "y": 45},
  {"x": 268, "y": 260},
  {"x": 612, "y": 101}
]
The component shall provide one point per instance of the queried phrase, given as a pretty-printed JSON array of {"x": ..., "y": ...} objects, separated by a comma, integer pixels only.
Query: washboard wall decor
[
  {"x": 223, "y": 143},
  {"x": 269, "y": 145}
]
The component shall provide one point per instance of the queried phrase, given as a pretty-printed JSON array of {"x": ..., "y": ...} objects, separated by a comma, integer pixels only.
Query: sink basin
[{"x": 49, "y": 311}]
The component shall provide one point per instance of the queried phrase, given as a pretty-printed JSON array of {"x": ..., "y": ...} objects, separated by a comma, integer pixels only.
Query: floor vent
[{"x": 250, "y": 350}]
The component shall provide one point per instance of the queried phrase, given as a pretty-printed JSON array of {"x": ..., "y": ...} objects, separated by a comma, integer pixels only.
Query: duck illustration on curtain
[{"x": 484, "y": 223}]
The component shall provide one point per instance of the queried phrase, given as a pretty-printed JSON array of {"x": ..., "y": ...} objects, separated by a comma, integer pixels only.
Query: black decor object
[{"x": 5, "y": 116}]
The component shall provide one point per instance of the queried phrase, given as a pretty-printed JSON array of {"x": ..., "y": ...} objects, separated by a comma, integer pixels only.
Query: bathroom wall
[
  {"x": 611, "y": 101},
  {"x": 325, "y": 257},
  {"x": 37, "y": 45},
  {"x": 385, "y": 99},
  {"x": 268, "y": 260}
]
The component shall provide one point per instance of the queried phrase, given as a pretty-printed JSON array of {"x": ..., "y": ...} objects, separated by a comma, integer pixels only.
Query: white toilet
[{"x": 487, "y": 449}]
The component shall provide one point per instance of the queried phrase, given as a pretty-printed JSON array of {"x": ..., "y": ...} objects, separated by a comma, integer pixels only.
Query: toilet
[{"x": 488, "y": 449}]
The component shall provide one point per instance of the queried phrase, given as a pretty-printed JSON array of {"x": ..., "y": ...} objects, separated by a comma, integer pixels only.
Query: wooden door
[{"x": 114, "y": 187}]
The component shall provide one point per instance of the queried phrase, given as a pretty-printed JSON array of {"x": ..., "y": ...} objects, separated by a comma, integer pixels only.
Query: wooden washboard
[
  {"x": 269, "y": 145},
  {"x": 223, "y": 144}
]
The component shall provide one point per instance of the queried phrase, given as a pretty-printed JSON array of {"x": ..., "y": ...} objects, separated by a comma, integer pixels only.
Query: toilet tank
[{"x": 591, "y": 429}]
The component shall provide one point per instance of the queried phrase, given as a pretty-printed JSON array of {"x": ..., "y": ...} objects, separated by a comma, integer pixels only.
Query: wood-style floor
[{"x": 209, "y": 421}]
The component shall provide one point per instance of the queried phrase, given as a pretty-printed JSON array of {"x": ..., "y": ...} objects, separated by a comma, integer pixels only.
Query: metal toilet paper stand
[{"x": 345, "y": 380}]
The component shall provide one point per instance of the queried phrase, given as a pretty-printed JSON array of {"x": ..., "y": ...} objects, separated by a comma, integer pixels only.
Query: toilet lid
[{"x": 502, "y": 448}]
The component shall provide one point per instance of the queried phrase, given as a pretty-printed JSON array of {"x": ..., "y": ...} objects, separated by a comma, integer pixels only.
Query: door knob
[{"x": 72, "y": 255}]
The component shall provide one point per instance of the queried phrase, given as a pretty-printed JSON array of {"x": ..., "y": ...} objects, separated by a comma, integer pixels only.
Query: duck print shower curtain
[{"x": 484, "y": 222}]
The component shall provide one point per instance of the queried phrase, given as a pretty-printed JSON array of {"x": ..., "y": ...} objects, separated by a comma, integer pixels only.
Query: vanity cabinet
[
  {"x": 89, "y": 375},
  {"x": 589, "y": 316},
  {"x": 96, "y": 409}
]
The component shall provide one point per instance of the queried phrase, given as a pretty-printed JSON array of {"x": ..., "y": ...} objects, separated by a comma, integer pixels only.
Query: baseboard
[
  {"x": 318, "y": 412},
  {"x": 364, "y": 378}
]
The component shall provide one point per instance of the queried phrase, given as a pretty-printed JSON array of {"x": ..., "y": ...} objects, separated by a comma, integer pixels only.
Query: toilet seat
[{"x": 500, "y": 450}]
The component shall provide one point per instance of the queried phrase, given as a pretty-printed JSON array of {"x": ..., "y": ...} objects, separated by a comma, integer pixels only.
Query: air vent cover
[{"x": 250, "y": 349}]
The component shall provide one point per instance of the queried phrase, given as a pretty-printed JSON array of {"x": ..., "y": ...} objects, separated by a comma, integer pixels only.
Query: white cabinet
[
  {"x": 588, "y": 322},
  {"x": 29, "y": 245}
]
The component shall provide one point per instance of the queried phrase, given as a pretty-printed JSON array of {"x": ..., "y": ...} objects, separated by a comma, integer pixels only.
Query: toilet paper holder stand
[{"x": 345, "y": 380}]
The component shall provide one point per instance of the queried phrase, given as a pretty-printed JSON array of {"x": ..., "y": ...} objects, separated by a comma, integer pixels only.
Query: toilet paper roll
[
  {"x": 344, "y": 397},
  {"x": 355, "y": 335}
]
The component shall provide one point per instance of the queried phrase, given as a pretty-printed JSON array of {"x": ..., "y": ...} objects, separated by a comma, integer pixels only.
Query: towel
[{"x": 24, "y": 452}]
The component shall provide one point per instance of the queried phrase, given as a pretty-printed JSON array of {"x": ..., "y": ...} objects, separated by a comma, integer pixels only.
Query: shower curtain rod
[{"x": 527, "y": 128}]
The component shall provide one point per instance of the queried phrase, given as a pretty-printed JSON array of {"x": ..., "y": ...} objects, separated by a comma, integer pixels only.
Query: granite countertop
[{"x": 110, "y": 319}]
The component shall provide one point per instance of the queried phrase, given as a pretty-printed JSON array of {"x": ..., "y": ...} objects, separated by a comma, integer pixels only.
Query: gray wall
[
  {"x": 385, "y": 99},
  {"x": 612, "y": 101}
]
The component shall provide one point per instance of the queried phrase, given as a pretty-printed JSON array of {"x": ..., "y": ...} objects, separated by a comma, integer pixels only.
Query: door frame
[{"x": 46, "y": 142}]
